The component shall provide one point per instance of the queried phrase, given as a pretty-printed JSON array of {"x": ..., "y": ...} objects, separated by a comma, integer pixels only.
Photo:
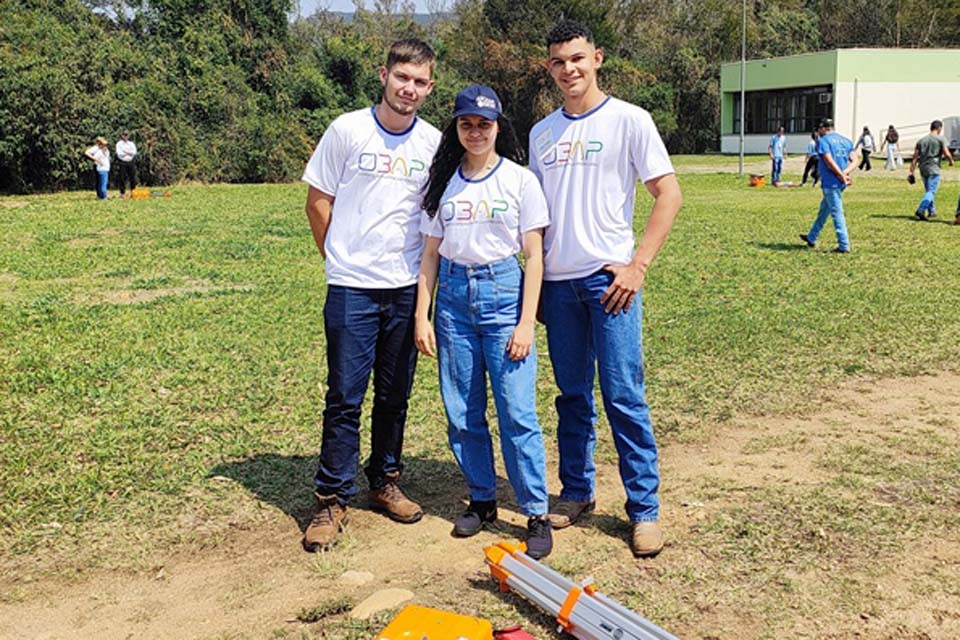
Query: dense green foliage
[{"x": 232, "y": 90}]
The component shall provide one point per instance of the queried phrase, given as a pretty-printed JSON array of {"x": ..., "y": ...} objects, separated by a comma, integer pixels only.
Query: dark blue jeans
[{"x": 366, "y": 330}]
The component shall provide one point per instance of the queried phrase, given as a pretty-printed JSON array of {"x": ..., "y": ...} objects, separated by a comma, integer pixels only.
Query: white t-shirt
[
  {"x": 126, "y": 150},
  {"x": 589, "y": 166},
  {"x": 483, "y": 221},
  {"x": 375, "y": 176},
  {"x": 100, "y": 156}
]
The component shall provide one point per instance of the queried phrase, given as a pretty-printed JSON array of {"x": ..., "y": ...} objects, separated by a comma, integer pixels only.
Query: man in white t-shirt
[
  {"x": 589, "y": 156},
  {"x": 363, "y": 205},
  {"x": 126, "y": 155}
]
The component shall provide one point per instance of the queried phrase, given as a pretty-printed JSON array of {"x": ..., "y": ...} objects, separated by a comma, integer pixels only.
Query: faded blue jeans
[
  {"x": 831, "y": 206},
  {"x": 583, "y": 338},
  {"x": 102, "y": 177},
  {"x": 930, "y": 185},
  {"x": 776, "y": 170},
  {"x": 477, "y": 310}
]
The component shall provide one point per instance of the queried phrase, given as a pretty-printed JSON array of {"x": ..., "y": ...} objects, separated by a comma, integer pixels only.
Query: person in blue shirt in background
[
  {"x": 836, "y": 162},
  {"x": 813, "y": 159},
  {"x": 778, "y": 151}
]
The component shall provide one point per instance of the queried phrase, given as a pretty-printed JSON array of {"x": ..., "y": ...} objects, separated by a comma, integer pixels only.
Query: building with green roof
[{"x": 908, "y": 88}]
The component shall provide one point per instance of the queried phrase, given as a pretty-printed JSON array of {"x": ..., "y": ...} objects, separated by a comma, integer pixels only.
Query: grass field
[{"x": 162, "y": 359}]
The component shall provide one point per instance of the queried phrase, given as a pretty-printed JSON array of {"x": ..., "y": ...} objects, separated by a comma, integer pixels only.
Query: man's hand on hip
[{"x": 627, "y": 282}]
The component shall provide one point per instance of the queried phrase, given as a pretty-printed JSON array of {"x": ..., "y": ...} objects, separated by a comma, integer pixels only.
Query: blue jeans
[
  {"x": 583, "y": 337},
  {"x": 102, "y": 184},
  {"x": 930, "y": 184},
  {"x": 477, "y": 311},
  {"x": 831, "y": 206},
  {"x": 776, "y": 170},
  {"x": 366, "y": 330}
]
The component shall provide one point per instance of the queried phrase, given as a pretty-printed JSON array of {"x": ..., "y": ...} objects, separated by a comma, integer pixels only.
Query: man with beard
[{"x": 363, "y": 206}]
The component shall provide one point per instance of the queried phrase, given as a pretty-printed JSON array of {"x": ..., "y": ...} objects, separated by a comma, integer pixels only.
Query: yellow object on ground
[
  {"x": 140, "y": 193},
  {"x": 757, "y": 180},
  {"x": 423, "y": 623}
]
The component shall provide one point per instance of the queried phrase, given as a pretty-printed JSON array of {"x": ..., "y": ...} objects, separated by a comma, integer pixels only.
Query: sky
[{"x": 308, "y": 7}]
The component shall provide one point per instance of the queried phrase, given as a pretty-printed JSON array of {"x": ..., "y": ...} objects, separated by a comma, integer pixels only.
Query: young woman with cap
[{"x": 481, "y": 209}]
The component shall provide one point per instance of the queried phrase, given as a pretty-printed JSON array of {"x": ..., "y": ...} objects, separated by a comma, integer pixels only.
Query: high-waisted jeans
[{"x": 478, "y": 308}]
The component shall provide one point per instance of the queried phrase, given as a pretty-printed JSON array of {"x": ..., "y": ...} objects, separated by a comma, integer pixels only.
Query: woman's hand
[
  {"x": 425, "y": 338},
  {"x": 521, "y": 341}
]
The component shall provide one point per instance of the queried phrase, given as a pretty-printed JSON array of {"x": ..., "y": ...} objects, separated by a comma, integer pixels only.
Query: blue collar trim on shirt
[
  {"x": 373, "y": 112},
  {"x": 492, "y": 171},
  {"x": 581, "y": 116}
]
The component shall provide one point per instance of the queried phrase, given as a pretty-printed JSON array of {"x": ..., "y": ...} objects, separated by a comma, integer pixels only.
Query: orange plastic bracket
[{"x": 564, "y": 616}]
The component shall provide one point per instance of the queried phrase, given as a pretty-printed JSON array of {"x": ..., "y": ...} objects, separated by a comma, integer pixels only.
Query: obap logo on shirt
[
  {"x": 466, "y": 211},
  {"x": 386, "y": 164},
  {"x": 573, "y": 152}
]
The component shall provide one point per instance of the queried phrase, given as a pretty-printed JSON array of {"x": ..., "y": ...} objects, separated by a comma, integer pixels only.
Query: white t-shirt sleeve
[
  {"x": 534, "y": 213},
  {"x": 431, "y": 227},
  {"x": 647, "y": 151},
  {"x": 326, "y": 165}
]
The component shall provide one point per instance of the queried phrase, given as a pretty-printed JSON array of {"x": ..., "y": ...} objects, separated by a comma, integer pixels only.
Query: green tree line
[{"x": 237, "y": 91}]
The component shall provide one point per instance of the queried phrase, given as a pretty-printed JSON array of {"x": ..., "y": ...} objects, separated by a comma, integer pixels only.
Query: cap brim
[{"x": 486, "y": 114}]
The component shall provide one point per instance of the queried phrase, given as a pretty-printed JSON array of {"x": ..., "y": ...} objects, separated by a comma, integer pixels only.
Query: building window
[{"x": 797, "y": 110}]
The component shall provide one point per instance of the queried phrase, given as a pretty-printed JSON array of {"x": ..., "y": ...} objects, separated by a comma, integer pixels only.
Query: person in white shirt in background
[
  {"x": 363, "y": 206},
  {"x": 126, "y": 155},
  {"x": 100, "y": 154},
  {"x": 589, "y": 156},
  {"x": 866, "y": 144},
  {"x": 481, "y": 209}
]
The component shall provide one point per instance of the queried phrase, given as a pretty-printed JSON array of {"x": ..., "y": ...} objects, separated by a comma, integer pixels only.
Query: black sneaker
[
  {"x": 478, "y": 513},
  {"x": 839, "y": 250},
  {"x": 539, "y": 537},
  {"x": 920, "y": 215},
  {"x": 806, "y": 239}
]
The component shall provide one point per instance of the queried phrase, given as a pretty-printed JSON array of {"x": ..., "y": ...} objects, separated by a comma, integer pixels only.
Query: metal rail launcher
[{"x": 580, "y": 609}]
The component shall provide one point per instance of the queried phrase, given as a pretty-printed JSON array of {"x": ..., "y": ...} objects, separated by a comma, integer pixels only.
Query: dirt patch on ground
[
  {"x": 255, "y": 582},
  {"x": 140, "y": 296},
  {"x": 95, "y": 239}
]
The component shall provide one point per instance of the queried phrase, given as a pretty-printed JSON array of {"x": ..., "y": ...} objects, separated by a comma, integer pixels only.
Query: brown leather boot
[
  {"x": 328, "y": 521},
  {"x": 391, "y": 500},
  {"x": 566, "y": 512},
  {"x": 646, "y": 539}
]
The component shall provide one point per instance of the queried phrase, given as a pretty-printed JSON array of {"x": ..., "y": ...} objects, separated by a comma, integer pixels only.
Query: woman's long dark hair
[{"x": 450, "y": 154}]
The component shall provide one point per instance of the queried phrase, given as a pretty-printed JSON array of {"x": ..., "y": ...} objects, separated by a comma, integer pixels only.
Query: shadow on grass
[
  {"x": 912, "y": 218},
  {"x": 286, "y": 482},
  {"x": 781, "y": 246}
]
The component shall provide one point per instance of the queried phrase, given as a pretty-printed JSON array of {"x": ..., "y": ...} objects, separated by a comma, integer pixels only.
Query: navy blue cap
[{"x": 477, "y": 100}]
